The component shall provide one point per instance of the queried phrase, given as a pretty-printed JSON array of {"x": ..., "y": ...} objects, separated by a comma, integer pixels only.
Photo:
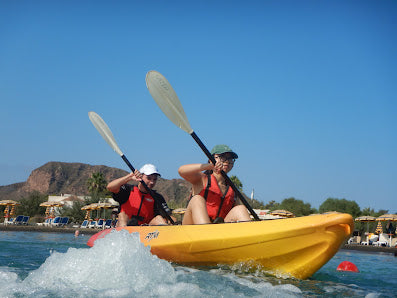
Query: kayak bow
[{"x": 293, "y": 247}]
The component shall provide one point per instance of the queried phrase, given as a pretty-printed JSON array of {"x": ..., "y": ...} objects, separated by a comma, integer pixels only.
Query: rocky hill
[{"x": 55, "y": 178}]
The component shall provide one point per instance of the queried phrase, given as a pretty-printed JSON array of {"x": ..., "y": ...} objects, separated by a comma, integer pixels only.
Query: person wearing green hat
[{"x": 212, "y": 201}]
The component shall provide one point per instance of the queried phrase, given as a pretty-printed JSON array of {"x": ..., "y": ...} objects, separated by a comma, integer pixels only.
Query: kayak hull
[{"x": 293, "y": 247}]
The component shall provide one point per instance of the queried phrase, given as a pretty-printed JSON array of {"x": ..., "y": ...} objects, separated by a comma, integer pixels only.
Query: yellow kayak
[{"x": 293, "y": 247}]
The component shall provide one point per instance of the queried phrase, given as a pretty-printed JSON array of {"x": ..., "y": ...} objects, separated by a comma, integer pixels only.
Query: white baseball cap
[{"x": 149, "y": 169}]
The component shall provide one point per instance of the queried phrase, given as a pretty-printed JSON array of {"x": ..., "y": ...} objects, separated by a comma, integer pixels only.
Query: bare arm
[
  {"x": 114, "y": 186},
  {"x": 193, "y": 172}
]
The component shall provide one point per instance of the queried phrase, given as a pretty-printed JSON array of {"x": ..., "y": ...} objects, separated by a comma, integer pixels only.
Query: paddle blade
[
  {"x": 166, "y": 98},
  {"x": 104, "y": 130}
]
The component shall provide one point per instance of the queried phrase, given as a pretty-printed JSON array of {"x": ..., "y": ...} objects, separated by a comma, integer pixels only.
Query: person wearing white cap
[
  {"x": 137, "y": 207},
  {"x": 213, "y": 201}
]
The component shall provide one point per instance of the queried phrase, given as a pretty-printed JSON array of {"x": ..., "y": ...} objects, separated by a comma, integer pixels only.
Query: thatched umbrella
[
  {"x": 49, "y": 212},
  {"x": 88, "y": 211},
  {"x": 179, "y": 211},
  {"x": 367, "y": 219},
  {"x": 8, "y": 203},
  {"x": 96, "y": 206},
  {"x": 386, "y": 217},
  {"x": 379, "y": 229},
  {"x": 282, "y": 213},
  {"x": 89, "y": 208},
  {"x": 106, "y": 205}
]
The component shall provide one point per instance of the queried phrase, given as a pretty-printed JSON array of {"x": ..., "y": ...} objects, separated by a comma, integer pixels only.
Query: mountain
[{"x": 55, "y": 178}]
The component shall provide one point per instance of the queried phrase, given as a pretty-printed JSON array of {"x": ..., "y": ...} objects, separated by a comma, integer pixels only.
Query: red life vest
[
  {"x": 214, "y": 197},
  {"x": 139, "y": 204}
]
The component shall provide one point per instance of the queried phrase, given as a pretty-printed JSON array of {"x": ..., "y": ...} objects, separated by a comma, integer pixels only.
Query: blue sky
[{"x": 304, "y": 91}]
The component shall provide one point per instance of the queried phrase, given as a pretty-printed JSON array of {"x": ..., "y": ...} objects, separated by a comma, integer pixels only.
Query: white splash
[{"x": 119, "y": 265}]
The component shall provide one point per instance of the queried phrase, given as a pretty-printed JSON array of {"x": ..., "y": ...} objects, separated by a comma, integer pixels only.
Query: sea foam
[{"x": 119, "y": 265}]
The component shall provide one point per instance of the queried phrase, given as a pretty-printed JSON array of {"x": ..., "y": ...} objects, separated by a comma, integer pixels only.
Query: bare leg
[
  {"x": 122, "y": 220},
  {"x": 196, "y": 212},
  {"x": 160, "y": 221},
  {"x": 238, "y": 213}
]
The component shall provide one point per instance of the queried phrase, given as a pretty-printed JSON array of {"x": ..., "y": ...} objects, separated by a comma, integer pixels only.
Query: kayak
[{"x": 291, "y": 247}]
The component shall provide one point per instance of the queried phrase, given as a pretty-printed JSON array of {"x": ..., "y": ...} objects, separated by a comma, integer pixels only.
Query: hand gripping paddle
[
  {"x": 166, "y": 98},
  {"x": 105, "y": 132}
]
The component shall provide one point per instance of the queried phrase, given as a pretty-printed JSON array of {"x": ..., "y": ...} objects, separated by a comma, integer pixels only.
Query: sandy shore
[
  {"x": 371, "y": 248},
  {"x": 32, "y": 228}
]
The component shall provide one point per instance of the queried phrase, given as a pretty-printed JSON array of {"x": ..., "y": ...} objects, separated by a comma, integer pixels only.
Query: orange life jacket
[
  {"x": 139, "y": 205},
  {"x": 218, "y": 204}
]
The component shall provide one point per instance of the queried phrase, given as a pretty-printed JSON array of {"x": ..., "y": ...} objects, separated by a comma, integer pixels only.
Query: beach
[
  {"x": 35, "y": 228},
  {"x": 370, "y": 248}
]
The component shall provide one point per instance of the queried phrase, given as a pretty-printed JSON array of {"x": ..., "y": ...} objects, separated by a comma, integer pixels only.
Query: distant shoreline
[
  {"x": 31, "y": 228},
  {"x": 370, "y": 248}
]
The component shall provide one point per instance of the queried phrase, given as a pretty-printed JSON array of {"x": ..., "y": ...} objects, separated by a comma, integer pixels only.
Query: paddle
[
  {"x": 105, "y": 132},
  {"x": 166, "y": 98}
]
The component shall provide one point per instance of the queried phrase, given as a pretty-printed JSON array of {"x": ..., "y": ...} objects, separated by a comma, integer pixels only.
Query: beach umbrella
[
  {"x": 12, "y": 212},
  {"x": 96, "y": 206},
  {"x": 50, "y": 211},
  {"x": 379, "y": 229},
  {"x": 282, "y": 213},
  {"x": 8, "y": 203},
  {"x": 88, "y": 211},
  {"x": 51, "y": 204},
  {"x": 47, "y": 210},
  {"x": 367, "y": 219},
  {"x": 386, "y": 217},
  {"x": 106, "y": 205},
  {"x": 179, "y": 211},
  {"x": 89, "y": 208}
]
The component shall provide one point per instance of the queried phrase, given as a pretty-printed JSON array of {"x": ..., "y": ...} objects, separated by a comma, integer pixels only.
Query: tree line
[{"x": 96, "y": 185}]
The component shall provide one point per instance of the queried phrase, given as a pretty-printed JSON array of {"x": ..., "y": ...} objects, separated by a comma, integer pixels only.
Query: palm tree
[
  {"x": 96, "y": 184},
  {"x": 237, "y": 182}
]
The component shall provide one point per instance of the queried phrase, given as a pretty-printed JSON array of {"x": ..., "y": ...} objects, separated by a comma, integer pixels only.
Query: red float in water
[{"x": 347, "y": 266}]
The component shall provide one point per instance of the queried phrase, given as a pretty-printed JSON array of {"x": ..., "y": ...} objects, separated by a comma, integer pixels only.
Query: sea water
[{"x": 34, "y": 264}]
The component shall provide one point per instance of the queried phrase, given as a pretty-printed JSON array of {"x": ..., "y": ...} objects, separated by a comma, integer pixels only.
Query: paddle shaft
[
  {"x": 151, "y": 192},
  {"x": 225, "y": 176}
]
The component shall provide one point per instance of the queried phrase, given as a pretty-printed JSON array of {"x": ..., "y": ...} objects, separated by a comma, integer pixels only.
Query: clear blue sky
[{"x": 304, "y": 91}]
